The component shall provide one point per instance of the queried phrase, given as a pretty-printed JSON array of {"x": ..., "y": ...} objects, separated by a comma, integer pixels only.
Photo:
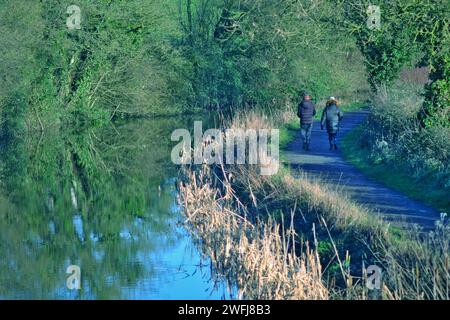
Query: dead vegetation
[
  {"x": 253, "y": 257},
  {"x": 279, "y": 237}
]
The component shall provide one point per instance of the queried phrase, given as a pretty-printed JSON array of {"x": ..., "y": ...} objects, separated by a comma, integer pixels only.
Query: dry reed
[
  {"x": 253, "y": 257},
  {"x": 226, "y": 210}
]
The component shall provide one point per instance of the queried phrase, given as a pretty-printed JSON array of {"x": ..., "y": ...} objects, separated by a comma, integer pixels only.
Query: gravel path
[{"x": 330, "y": 167}]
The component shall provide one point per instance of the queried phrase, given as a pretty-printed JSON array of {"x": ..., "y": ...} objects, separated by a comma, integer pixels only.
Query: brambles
[{"x": 394, "y": 136}]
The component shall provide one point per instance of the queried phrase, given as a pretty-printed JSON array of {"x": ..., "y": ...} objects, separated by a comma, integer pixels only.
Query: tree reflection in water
[{"x": 101, "y": 198}]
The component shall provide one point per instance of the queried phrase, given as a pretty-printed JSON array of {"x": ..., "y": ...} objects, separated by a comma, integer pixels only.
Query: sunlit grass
[{"x": 346, "y": 237}]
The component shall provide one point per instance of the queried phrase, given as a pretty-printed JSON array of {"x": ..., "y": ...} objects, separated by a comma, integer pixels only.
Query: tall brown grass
[
  {"x": 252, "y": 257},
  {"x": 266, "y": 235}
]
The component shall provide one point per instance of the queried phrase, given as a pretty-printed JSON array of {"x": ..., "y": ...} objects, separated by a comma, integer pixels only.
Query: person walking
[
  {"x": 306, "y": 111},
  {"x": 331, "y": 118}
]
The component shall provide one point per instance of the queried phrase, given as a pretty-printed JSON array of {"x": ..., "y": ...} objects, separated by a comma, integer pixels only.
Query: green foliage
[
  {"x": 119, "y": 64},
  {"x": 141, "y": 58},
  {"x": 288, "y": 131},
  {"x": 398, "y": 43},
  {"x": 386, "y": 48},
  {"x": 392, "y": 147},
  {"x": 436, "y": 108},
  {"x": 255, "y": 52},
  {"x": 137, "y": 58}
]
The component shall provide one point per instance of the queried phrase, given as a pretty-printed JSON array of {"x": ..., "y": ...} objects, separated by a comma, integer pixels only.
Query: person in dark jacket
[
  {"x": 331, "y": 118},
  {"x": 306, "y": 111}
]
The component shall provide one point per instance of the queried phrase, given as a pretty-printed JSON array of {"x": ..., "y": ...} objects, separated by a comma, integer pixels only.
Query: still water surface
[{"x": 104, "y": 199}]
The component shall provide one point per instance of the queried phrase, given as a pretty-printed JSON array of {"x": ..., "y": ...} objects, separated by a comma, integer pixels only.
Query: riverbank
[{"x": 345, "y": 237}]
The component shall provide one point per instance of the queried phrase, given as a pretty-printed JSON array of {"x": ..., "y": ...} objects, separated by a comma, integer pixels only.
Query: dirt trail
[{"x": 331, "y": 167}]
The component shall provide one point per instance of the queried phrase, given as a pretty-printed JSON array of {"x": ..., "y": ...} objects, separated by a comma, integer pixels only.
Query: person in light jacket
[{"x": 331, "y": 118}]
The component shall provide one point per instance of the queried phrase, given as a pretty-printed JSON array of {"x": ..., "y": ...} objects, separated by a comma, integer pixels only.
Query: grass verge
[
  {"x": 288, "y": 132},
  {"x": 400, "y": 179}
]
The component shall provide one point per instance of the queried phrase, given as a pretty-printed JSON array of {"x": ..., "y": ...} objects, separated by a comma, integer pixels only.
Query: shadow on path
[{"x": 330, "y": 167}]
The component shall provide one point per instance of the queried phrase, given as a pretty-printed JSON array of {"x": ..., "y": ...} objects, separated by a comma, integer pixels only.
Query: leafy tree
[{"x": 411, "y": 31}]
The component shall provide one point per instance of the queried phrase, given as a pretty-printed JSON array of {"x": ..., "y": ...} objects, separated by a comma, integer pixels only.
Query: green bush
[{"x": 393, "y": 135}]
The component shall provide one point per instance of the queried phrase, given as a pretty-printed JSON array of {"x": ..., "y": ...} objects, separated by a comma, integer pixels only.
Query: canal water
[{"x": 104, "y": 200}]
